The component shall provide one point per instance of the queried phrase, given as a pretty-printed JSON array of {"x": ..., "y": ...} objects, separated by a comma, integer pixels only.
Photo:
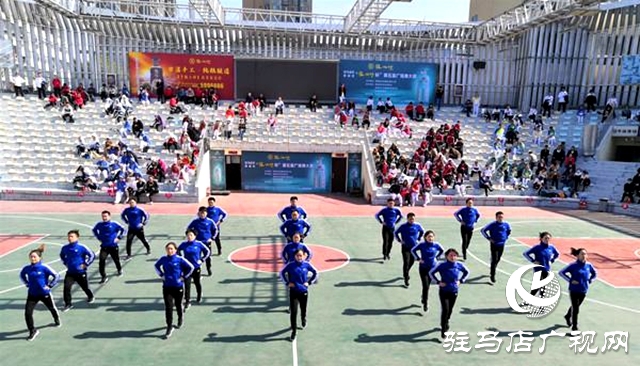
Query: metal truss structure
[
  {"x": 364, "y": 13},
  {"x": 528, "y": 51}
]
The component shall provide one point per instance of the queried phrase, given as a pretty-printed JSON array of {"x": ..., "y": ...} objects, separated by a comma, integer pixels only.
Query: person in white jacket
[
  {"x": 18, "y": 81},
  {"x": 40, "y": 84}
]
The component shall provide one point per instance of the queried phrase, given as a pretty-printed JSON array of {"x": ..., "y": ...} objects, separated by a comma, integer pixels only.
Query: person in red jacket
[
  {"x": 77, "y": 100},
  {"x": 409, "y": 109},
  {"x": 53, "y": 101},
  {"x": 243, "y": 115},
  {"x": 229, "y": 114},
  {"x": 56, "y": 83},
  {"x": 198, "y": 94},
  {"x": 420, "y": 112}
]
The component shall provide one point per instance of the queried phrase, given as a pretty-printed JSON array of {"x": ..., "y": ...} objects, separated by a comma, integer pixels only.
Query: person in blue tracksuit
[
  {"x": 196, "y": 253},
  {"x": 173, "y": 268},
  {"x": 467, "y": 216},
  {"x": 580, "y": 274},
  {"x": 77, "y": 258},
  {"x": 452, "y": 274},
  {"x": 409, "y": 234},
  {"x": 388, "y": 217},
  {"x": 109, "y": 233},
  {"x": 206, "y": 231},
  {"x": 136, "y": 218},
  {"x": 39, "y": 279},
  {"x": 218, "y": 216},
  {"x": 497, "y": 233},
  {"x": 289, "y": 250},
  {"x": 542, "y": 254},
  {"x": 427, "y": 254},
  {"x": 296, "y": 276},
  {"x": 286, "y": 213},
  {"x": 295, "y": 225}
]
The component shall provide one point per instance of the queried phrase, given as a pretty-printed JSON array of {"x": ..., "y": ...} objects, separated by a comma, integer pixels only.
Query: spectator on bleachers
[
  {"x": 628, "y": 192},
  {"x": 52, "y": 102},
  {"x": 272, "y": 123},
  {"x": 580, "y": 113},
  {"x": 40, "y": 84},
  {"x": 242, "y": 128},
  {"x": 431, "y": 114},
  {"x": 143, "y": 97},
  {"x": 145, "y": 142},
  {"x": 369, "y": 105},
  {"x": 18, "y": 81},
  {"x": 439, "y": 95},
  {"x": 610, "y": 109},
  {"x": 171, "y": 144},
  {"x": 380, "y": 106},
  {"x": 56, "y": 84},
  {"x": 395, "y": 190},
  {"x": 553, "y": 175},
  {"x": 636, "y": 182},
  {"x": 563, "y": 99},
  {"x": 458, "y": 185},
  {"x": 313, "y": 103},
  {"x": 551, "y": 136},
  {"x": 137, "y": 127},
  {"x": 547, "y": 105},
  {"x": 388, "y": 105},
  {"x": 366, "y": 120},
  {"x": 67, "y": 113},
  {"x": 176, "y": 107},
  {"x": 409, "y": 110},
  {"x": 420, "y": 112},
  {"x": 468, "y": 107},
  {"x": 485, "y": 180},
  {"x": 279, "y": 106},
  {"x": 91, "y": 93},
  {"x": 508, "y": 113},
  {"x": 476, "y": 101},
  {"x": 228, "y": 129},
  {"x": 591, "y": 100},
  {"x": 104, "y": 94}
]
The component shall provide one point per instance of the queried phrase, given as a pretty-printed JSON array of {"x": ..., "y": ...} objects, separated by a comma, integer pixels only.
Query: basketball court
[{"x": 359, "y": 311}]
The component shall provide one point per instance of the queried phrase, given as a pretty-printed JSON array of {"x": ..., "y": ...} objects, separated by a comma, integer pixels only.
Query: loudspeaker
[{"x": 479, "y": 65}]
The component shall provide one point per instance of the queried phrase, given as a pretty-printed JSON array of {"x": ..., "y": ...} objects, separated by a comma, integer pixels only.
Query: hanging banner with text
[
  {"x": 354, "y": 179},
  {"x": 180, "y": 70},
  {"x": 286, "y": 172},
  {"x": 403, "y": 82},
  {"x": 630, "y": 72},
  {"x": 218, "y": 171}
]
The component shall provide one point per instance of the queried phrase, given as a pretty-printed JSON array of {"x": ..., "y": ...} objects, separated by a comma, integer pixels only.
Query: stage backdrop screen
[
  {"x": 286, "y": 172},
  {"x": 181, "y": 70},
  {"x": 217, "y": 168},
  {"x": 630, "y": 73},
  {"x": 294, "y": 81},
  {"x": 403, "y": 82}
]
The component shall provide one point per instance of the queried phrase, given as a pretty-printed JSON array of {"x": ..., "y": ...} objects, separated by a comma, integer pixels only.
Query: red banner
[{"x": 182, "y": 70}]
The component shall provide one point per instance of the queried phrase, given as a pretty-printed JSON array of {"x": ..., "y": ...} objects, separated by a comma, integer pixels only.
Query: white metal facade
[{"x": 82, "y": 41}]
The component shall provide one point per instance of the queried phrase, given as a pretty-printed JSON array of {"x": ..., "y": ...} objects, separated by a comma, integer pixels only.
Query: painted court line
[
  {"x": 563, "y": 292},
  {"x": 294, "y": 350},
  {"x": 282, "y": 264},
  {"x": 40, "y": 237},
  {"x": 47, "y": 263},
  {"x": 565, "y": 263},
  {"x": 46, "y": 219}
]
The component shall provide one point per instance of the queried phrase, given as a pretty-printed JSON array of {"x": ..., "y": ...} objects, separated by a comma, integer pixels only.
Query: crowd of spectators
[
  {"x": 631, "y": 190},
  {"x": 120, "y": 164}
]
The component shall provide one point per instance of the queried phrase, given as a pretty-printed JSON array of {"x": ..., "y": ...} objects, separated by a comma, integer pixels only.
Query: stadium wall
[{"x": 580, "y": 52}]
